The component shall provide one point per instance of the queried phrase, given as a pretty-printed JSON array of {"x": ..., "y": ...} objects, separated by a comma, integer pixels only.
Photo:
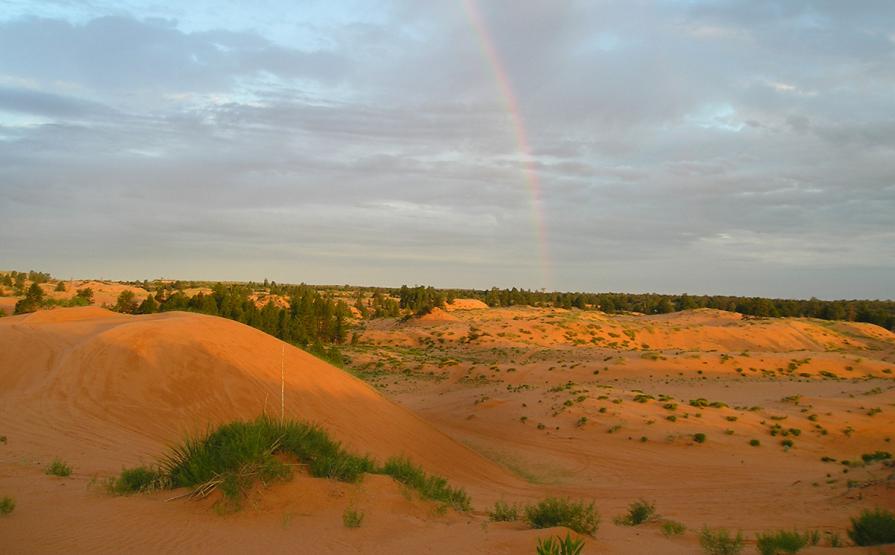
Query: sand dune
[{"x": 75, "y": 376}]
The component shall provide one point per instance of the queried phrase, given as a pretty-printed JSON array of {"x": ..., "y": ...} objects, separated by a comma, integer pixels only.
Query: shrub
[
  {"x": 7, "y": 504},
  {"x": 431, "y": 487},
  {"x": 58, "y": 468},
  {"x": 782, "y": 541},
  {"x": 560, "y": 546},
  {"x": 638, "y": 512},
  {"x": 876, "y": 456},
  {"x": 576, "y": 515},
  {"x": 699, "y": 438},
  {"x": 754, "y": 442},
  {"x": 240, "y": 445},
  {"x": 138, "y": 479},
  {"x": 787, "y": 443},
  {"x": 504, "y": 512},
  {"x": 874, "y": 527},
  {"x": 720, "y": 542},
  {"x": 673, "y": 528},
  {"x": 352, "y": 518}
]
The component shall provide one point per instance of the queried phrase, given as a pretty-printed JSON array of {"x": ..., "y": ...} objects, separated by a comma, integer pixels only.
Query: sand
[{"x": 462, "y": 394}]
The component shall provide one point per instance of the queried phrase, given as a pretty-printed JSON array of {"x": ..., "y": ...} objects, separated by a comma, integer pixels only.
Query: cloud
[{"x": 712, "y": 147}]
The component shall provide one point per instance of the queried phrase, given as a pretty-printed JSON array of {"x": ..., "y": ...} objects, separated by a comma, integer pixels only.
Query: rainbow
[{"x": 511, "y": 104}]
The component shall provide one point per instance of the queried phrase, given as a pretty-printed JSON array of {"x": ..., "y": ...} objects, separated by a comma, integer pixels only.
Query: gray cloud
[{"x": 735, "y": 147}]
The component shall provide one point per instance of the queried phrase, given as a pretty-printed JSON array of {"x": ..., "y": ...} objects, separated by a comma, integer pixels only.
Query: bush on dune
[
  {"x": 873, "y": 527},
  {"x": 236, "y": 455},
  {"x": 576, "y": 515}
]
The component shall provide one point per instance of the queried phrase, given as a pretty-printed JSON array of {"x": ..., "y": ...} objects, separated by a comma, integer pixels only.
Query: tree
[
  {"x": 60, "y": 287},
  {"x": 86, "y": 294},
  {"x": 148, "y": 306},
  {"x": 127, "y": 302}
]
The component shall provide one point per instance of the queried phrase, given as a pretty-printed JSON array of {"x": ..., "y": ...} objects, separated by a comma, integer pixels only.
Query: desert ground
[{"x": 512, "y": 404}]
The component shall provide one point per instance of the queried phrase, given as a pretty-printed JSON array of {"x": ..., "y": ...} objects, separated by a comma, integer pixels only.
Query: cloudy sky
[{"x": 737, "y": 147}]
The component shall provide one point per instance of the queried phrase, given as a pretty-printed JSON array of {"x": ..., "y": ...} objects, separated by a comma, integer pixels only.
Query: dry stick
[{"x": 283, "y": 384}]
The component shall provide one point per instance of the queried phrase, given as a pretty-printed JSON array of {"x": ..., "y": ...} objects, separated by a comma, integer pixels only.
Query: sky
[{"x": 709, "y": 147}]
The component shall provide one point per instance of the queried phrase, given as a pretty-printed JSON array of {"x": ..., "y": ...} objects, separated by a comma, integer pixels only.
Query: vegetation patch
[
  {"x": 673, "y": 528},
  {"x": 352, "y": 518},
  {"x": 7, "y": 505},
  {"x": 58, "y": 468},
  {"x": 638, "y": 512},
  {"x": 720, "y": 542},
  {"x": 556, "y": 545},
  {"x": 236, "y": 455},
  {"x": 781, "y": 541},
  {"x": 579, "y": 516},
  {"x": 504, "y": 512},
  {"x": 873, "y": 527}
]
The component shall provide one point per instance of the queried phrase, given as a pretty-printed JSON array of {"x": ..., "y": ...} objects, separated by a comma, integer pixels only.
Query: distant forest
[{"x": 318, "y": 316}]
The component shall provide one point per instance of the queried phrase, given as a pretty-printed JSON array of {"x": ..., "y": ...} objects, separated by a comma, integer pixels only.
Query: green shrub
[
  {"x": 235, "y": 455},
  {"x": 673, "y": 528},
  {"x": 352, "y": 518},
  {"x": 720, "y": 542},
  {"x": 876, "y": 456},
  {"x": 58, "y": 468},
  {"x": 638, "y": 512},
  {"x": 504, "y": 512},
  {"x": 576, "y": 515},
  {"x": 243, "y": 444},
  {"x": 432, "y": 487},
  {"x": 560, "y": 546},
  {"x": 787, "y": 443},
  {"x": 138, "y": 479},
  {"x": 781, "y": 541},
  {"x": 874, "y": 527},
  {"x": 754, "y": 442},
  {"x": 7, "y": 504},
  {"x": 699, "y": 438}
]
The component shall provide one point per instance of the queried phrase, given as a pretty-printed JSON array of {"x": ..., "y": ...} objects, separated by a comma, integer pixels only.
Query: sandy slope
[{"x": 103, "y": 390}]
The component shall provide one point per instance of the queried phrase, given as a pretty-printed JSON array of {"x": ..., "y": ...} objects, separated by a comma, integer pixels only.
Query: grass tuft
[
  {"x": 7, "y": 504},
  {"x": 138, "y": 479},
  {"x": 576, "y": 515},
  {"x": 638, "y": 512},
  {"x": 781, "y": 541},
  {"x": 873, "y": 527},
  {"x": 58, "y": 468},
  {"x": 560, "y": 546},
  {"x": 673, "y": 528},
  {"x": 504, "y": 512},
  {"x": 236, "y": 455},
  {"x": 431, "y": 487},
  {"x": 720, "y": 542},
  {"x": 352, "y": 518}
]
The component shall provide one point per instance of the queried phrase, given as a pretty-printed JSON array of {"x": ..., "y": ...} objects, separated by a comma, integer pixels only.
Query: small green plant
[
  {"x": 873, "y": 527},
  {"x": 673, "y": 528},
  {"x": 430, "y": 487},
  {"x": 876, "y": 456},
  {"x": 699, "y": 438},
  {"x": 7, "y": 504},
  {"x": 576, "y": 515},
  {"x": 638, "y": 512},
  {"x": 58, "y": 468},
  {"x": 560, "y": 546},
  {"x": 136, "y": 480},
  {"x": 786, "y": 443},
  {"x": 754, "y": 442},
  {"x": 504, "y": 512},
  {"x": 352, "y": 518},
  {"x": 781, "y": 541},
  {"x": 720, "y": 542}
]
